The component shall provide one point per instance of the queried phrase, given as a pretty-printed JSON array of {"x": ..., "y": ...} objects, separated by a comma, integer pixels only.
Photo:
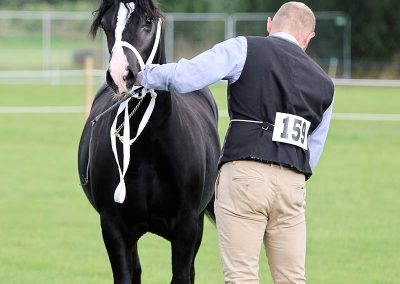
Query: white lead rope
[{"x": 120, "y": 191}]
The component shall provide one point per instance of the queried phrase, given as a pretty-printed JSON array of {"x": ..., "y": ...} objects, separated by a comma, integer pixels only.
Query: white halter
[
  {"x": 120, "y": 191},
  {"x": 136, "y": 52}
]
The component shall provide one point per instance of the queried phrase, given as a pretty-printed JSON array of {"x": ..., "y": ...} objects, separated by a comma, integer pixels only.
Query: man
[{"x": 280, "y": 104}]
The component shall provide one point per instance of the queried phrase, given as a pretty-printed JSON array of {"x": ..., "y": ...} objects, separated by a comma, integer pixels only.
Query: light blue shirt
[{"x": 224, "y": 61}]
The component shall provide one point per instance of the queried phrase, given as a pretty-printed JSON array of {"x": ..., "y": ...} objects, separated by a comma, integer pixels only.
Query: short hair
[{"x": 296, "y": 17}]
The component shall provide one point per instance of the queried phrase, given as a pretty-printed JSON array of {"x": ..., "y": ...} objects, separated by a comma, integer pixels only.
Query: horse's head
[{"x": 133, "y": 29}]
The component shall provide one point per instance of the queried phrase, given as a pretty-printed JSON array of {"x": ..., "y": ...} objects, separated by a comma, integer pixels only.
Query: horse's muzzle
[
  {"x": 130, "y": 79},
  {"x": 121, "y": 83}
]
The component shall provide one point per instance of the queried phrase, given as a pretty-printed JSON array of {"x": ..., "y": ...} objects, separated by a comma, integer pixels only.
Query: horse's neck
[
  {"x": 163, "y": 107},
  {"x": 161, "y": 51},
  {"x": 164, "y": 97}
]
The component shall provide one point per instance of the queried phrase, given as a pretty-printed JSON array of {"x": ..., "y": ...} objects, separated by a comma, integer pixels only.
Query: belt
[{"x": 264, "y": 124}]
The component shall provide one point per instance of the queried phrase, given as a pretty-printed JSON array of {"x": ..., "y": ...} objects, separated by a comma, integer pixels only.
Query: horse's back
[
  {"x": 206, "y": 96},
  {"x": 198, "y": 103}
]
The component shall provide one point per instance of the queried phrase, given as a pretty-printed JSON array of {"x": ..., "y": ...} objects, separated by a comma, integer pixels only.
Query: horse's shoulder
[
  {"x": 104, "y": 93},
  {"x": 191, "y": 99},
  {"x": 103, "y": 100}
]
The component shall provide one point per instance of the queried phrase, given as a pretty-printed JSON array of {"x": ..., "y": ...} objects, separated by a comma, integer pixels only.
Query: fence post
[
  {"x": 230, "y": 31},
  {"x": 46, "y": 40},
  {"x": 169, "y": 38},
  {"x": 89, "y": 66}
]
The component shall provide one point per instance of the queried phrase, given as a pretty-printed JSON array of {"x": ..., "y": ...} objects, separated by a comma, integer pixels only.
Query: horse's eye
[
  {"x": 104, "y": 25},
  {"x": 149, "y": 21},
  {"x": 106, "y": 29}
]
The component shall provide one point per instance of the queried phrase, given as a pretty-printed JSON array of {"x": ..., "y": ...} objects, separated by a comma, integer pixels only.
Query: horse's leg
[
  {"x": 183, "y": 247},
  {"x": 197, "y": 246},
  {"x": 119, "y": 251},
  {"x": 136, "y": 267}
]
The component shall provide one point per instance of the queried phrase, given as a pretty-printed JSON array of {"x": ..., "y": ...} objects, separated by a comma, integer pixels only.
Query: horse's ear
[{"x": 98, "y": 15}]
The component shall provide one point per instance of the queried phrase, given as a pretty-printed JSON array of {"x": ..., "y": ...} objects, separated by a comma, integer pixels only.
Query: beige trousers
[{"x": 255, "y": 203}]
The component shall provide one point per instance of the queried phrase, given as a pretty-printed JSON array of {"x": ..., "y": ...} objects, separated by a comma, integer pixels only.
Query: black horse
[{"x": 173, "y": 162}]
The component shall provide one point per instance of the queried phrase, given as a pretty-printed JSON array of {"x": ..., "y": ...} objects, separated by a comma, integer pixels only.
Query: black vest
[{"x": 278, "y": 76}]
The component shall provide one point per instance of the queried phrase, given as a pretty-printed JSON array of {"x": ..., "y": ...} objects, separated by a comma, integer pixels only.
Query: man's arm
[
  {"x": 224, "y": 61},
  {"x": 316, "y": 140}
]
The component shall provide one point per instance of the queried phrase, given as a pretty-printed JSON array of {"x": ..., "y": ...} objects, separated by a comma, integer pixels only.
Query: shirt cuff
[{"x": 141, "y": 78}]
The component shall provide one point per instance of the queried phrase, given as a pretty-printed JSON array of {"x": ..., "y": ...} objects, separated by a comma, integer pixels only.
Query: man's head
[{"x": 294, "y": 18}]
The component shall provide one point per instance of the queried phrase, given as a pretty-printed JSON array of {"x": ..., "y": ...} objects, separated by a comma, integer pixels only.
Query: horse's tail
[{"x": 210, "y": 210}]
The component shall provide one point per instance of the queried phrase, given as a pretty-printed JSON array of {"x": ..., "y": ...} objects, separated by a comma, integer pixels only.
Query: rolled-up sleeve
[
  {"x": 225, "y": 61},
  {"x": 316, "y": 140}
]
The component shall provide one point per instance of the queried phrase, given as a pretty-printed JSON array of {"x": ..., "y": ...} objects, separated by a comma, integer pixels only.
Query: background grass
[{"x": 50, "y": 234}]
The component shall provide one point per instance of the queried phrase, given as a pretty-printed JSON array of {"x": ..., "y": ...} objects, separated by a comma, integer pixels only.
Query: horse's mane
[{"x": 144, "y": 7}]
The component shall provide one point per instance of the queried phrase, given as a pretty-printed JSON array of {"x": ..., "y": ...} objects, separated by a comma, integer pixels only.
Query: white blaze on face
[{"x": 119, "y": 62}]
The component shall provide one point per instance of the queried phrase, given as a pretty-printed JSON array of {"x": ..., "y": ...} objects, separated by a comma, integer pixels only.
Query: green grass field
[{"x": 50, "y": 234}]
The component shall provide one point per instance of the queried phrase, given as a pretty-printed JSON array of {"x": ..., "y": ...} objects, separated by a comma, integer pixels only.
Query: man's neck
[{"x": 286, "y": 36}]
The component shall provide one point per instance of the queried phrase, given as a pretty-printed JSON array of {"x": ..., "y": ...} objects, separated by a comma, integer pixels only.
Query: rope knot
[{"x": 153, "y": 94}]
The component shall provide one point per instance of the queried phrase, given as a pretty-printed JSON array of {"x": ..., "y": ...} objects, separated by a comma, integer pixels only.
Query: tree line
[{"x": 375, "y": 27}]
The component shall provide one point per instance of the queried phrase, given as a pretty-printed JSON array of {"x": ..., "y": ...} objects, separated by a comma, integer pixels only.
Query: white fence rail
[
  {"x": 50, "y": 42},
  {"x": 367, "y": 82}
]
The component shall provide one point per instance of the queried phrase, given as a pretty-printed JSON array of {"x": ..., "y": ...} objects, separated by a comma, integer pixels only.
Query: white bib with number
[{"x": 291, "y": 129}]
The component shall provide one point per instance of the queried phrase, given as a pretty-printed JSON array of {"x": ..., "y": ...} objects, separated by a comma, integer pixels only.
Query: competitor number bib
[{"x": 291, "y": 129}]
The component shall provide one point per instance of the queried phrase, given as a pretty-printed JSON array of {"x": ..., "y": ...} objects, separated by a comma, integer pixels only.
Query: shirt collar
[{"x": 286, "y": 36}]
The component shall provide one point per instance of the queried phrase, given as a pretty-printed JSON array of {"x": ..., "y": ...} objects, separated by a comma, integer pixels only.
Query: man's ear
[
  {"x": 307, "y": 40},
  {"x": 269, "y": 25}
]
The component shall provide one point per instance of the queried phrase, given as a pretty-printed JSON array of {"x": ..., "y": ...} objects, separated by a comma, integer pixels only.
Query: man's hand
[{"x": 137, "y": 81}]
